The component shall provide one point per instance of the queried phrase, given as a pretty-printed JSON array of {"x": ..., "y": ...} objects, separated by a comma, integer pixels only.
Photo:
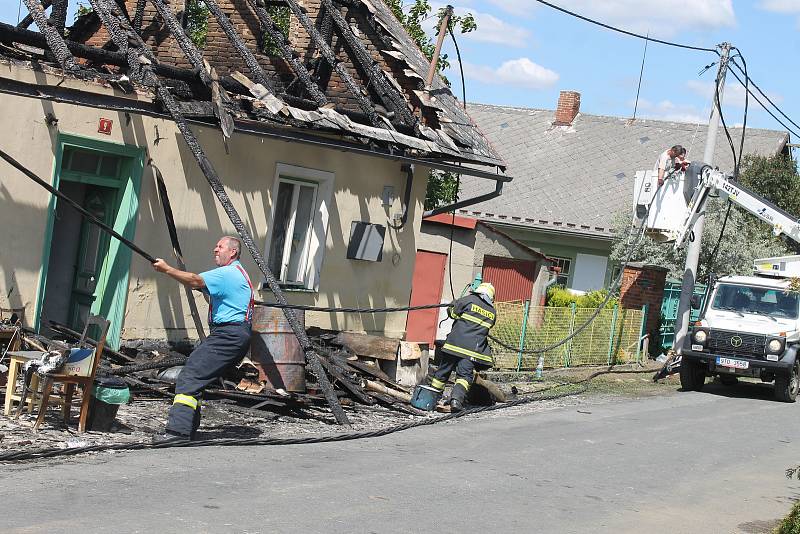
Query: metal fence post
[
  {"x": 573, "y": 308},
  {"x": 611, "y": 334},
  {"x": 522, "y": 333},
  {"x": 642, "y": 329}
]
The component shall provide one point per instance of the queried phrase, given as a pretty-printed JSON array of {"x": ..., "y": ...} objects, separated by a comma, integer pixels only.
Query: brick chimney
[{"x": 569, "y": 104}]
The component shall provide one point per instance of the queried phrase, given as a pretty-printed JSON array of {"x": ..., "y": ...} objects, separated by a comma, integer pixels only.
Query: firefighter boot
[{"x": 459, "y": 395}]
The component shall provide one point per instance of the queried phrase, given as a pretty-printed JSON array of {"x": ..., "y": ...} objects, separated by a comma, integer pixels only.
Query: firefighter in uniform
[
  {"x": 466, "y": 349},
  {"x": 230, "y": 295}
]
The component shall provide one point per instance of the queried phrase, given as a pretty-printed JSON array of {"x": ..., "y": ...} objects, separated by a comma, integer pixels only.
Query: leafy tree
[
  {"x": 745, "y": 238},
  {"x": 197, "y": 22}
]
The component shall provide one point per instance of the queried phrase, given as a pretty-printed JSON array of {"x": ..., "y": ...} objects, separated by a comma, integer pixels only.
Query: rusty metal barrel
[{"x": 275, "y": 351}]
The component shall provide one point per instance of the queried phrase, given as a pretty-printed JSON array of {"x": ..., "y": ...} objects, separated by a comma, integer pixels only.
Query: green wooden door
[{"x": 92, "y": 253}]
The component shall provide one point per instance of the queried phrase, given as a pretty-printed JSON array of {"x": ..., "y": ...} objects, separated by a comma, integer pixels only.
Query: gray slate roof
[{"x": 576, "y": 178}]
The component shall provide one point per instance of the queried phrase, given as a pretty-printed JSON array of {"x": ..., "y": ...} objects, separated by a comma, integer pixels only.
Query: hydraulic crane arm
[{"x": 710, "y": 181}]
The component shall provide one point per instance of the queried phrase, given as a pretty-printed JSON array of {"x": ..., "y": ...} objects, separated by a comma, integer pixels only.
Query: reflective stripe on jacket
[{"x": 469, "y": 336}]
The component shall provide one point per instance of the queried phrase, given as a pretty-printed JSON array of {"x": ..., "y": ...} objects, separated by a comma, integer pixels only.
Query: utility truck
[{"x": 749, "y": 326}]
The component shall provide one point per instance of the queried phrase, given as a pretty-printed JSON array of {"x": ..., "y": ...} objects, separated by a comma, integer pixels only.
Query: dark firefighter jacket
[{"x": 469, "y": 336}]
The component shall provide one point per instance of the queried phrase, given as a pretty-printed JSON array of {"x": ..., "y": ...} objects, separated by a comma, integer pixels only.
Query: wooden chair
[{"x": 71, "y": 377}]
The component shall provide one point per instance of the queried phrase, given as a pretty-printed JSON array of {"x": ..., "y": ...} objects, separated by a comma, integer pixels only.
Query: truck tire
[
  {"x": 787, "y": 386},
  {"x": 728, "y": 380},
  {"x": 693, "y": 376}
]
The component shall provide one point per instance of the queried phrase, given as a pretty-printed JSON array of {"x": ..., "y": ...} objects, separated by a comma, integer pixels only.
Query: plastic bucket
[
  {"x": 425, "y": 397},
  {"x": 108, "y": 393}
]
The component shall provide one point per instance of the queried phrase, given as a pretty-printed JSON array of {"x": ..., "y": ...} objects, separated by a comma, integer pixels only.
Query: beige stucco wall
[{"x": 156, "y": 307}]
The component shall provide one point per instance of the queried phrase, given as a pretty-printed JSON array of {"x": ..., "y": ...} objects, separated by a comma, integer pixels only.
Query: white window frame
[
  {"x": 315, "y": 249},
  {"x": 571, "y": 264}
]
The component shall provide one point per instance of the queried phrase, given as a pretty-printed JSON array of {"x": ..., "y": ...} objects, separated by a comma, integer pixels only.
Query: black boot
[
  {"x": 456, "y": 405},
  {"x": 458, "y": 397}
]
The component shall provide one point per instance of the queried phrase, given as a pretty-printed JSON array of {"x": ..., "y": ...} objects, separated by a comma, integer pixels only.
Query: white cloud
[
  {"x": 490, "y": 28},
  {"x": 667, "y": 110},
  {"x": 659, "y": 18},
  {"x": 493, "y": 30},
  {"x": 732, "y": 95},
  {"x": 520, "y": 72},
  {"x": 780, "y": 6}
]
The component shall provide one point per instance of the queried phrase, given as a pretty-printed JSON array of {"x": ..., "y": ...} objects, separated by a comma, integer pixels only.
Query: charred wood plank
[
  {"x": 127, "y": 41},
  {"x": 366, "y": 345},
  {"x": 250, "y": 60},
  {"x": 58, "y": 15},
  {"x": 138, "y": 16},
  {"x": 269, "y": 26},
  {"x": 28, "y": 20},
  {"x": 55, "y": 42},
  {"x": 344, "y": 381},
  {"x": 380, "y": 388},
  {"x": 372, "y": 370},
  {"x": 117, "y": 357},
  {"x": 353, "y": 86},
  {"x": 377, "y": 77}
]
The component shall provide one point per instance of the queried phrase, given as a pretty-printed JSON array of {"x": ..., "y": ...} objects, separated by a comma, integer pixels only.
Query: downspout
[
  {"x": 498, "y": 190},
  {"x": 407, "y": 168}
]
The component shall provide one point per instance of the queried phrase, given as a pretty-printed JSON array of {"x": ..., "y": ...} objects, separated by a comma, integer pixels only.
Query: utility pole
[
  {"x": 448, "y": 12},
  {"x": 693, "y": 250}
]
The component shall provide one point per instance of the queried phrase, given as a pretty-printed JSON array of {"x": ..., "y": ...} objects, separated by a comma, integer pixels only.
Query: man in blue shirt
[{"x": 230, "y": 295}]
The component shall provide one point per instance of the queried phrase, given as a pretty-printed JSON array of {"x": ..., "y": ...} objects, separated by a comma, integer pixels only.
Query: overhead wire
[
  {"x": 760, "y": 103},
  {"x": 626, "y": 32}
]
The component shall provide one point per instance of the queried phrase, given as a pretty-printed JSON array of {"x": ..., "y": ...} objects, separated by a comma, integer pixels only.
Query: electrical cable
[
  {"x": 537, "y": 396},
  {"x": 763, "y": 106},
  {"x": 352, "y": 310},
  {"x": 460, "y": 67},
  {"x": 751, "y": 82},
  {"x": 744, "y": 117},
  {"x": 626, "y": 32},
  {"x": 718, "y": 103}
]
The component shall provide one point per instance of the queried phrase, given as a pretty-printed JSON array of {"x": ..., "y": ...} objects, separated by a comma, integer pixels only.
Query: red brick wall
[
  {"x": 569, "y": 104},
  {"x": 222, "y": 55},
  {"x": 641, "y": 285}
]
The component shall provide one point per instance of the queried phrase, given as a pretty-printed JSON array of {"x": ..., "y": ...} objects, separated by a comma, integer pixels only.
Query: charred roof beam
[
  {"x": 127, "y": 41},
  {"x": 138, "y": 16},
  {"x": 55, "y": 41},
  {"x": 58, "y": 15},
  {"x": 353, "y": 86},
  {"x": 269, "y": 26},
  {"x": 238, "y": 43},
  {"x": 28, "y": 19},
  {"x": 176, "y": 30},
  {"x": 388, "y": 93}
]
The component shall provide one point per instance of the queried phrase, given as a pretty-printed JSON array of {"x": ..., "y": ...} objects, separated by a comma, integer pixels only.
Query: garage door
[{"x": 513, "y": 279}]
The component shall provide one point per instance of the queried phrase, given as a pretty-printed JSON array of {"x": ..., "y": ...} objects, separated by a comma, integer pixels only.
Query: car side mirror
[{"x": 696, "y": 302}]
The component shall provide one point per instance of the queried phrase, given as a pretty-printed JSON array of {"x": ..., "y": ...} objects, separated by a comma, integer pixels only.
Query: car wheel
[
  {"x": 693, "y": 376},
  {"x": 728, "y": 380},
  {"x": 787, "y": 386}
]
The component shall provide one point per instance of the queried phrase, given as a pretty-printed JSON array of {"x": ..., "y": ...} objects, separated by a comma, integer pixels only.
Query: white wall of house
[{"x": 347, "y": 188}]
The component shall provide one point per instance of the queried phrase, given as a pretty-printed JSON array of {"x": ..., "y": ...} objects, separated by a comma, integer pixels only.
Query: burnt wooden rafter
[
  {"x": 176, "y": 30},
  {"x": 238, "y": 43},
  {"x": 269, "y": 26},
  {"x": 127, "y": 41},
  {"x": 353, "y": 86},
  {"x": 168, "y": 101},
  {"x": 59, "y": 15},
  {"x": 377, "y": 77},
  {"x": 28, "y": 19},
  {"x": 55, "y": 41},
  {"x": 138, "y": 16}
]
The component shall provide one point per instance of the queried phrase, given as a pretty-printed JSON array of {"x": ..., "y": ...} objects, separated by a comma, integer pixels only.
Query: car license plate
[{"x": 733, "y": 364}]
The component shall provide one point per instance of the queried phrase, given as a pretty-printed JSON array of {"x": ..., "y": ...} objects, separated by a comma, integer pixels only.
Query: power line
[
  {"x": 751, "y": 82},
  {"x": 761, "y": 103},
  {"x": 626, "y": 32}
]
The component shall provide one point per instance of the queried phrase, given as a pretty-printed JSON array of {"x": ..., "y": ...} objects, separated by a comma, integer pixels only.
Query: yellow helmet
[{"x": 487, "y": 289}]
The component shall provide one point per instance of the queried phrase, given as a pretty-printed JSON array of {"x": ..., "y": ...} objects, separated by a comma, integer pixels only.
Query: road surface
[{"x": 685, "y": 462}]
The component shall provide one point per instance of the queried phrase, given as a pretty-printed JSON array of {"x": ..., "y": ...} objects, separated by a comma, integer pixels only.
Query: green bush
[
  {"x": 791, "y": 523},
  {"x": 560, "y": 297}
]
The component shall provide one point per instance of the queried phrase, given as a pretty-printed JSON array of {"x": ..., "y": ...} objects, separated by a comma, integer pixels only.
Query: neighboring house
[
  {"x": 326, "y": 161},
  {"x": 452, "y": 252},
  {"x": 573, "y": 173}
]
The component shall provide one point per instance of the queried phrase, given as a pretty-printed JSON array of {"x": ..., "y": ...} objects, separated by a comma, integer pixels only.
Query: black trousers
[
  {"x": 465, "y": 374},
  {"x": 226, "y": 345}
]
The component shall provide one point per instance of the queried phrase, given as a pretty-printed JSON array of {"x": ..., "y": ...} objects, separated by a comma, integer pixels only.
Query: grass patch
[{"x": 790, "y": 523}]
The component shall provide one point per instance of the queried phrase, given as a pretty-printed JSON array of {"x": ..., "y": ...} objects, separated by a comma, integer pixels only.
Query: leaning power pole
[{"x": 693, "y": 250}]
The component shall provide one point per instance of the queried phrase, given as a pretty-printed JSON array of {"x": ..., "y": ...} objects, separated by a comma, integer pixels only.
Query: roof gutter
[{"x": 498, "y": 190}]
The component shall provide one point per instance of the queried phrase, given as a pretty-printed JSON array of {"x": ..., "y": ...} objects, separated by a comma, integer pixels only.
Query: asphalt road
[{"x": 683, "y": 462}]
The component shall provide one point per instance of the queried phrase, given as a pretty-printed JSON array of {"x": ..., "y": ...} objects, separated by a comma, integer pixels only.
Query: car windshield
[{"x": 755, "y": 299}]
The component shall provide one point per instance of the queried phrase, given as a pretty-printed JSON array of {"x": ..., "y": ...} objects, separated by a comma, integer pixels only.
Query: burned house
[{"x": 305, "y": 126}]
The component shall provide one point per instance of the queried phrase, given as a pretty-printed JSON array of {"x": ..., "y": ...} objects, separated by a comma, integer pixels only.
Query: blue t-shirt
[{"x": 230, "y": 292}]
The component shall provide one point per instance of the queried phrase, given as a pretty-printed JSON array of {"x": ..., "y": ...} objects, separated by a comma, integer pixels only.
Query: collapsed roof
[{"x": 345, "y": 68}]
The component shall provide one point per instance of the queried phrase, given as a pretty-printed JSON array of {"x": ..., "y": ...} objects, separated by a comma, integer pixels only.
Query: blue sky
[{"x": 524, "y": 53}]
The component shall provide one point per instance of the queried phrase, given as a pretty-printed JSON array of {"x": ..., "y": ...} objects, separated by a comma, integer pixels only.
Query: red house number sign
[{"x": 104, "y": 126}]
